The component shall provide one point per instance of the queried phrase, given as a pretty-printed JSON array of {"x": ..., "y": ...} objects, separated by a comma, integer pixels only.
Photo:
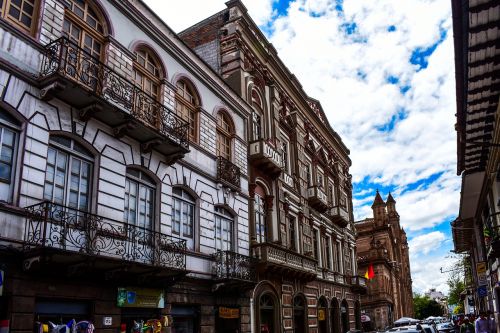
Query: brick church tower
[{"x": 382, "y": 244}]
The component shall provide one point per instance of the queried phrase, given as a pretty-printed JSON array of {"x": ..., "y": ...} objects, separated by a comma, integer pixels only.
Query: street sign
[
  {"x": 482, "y": 291},
  {"x": 481, "y": 267}
]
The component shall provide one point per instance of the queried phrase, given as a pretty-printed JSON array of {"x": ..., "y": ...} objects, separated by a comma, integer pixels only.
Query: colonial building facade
[
  {"x": 382, "y": 244},
  {"x": 124, "y": 178},
  {"x": 300, "y": 204},
  {"x": 476, "y": 229}
]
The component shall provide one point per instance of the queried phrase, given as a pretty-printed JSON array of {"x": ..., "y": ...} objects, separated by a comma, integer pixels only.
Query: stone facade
[
  {"x": 300, "y": 212},
  {"x": 382, "y": 244},
  {"x": 141, "y": 208}
]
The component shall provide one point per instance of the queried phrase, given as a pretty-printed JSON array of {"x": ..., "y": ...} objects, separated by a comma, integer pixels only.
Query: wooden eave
[{"x": 476, "y": 26}]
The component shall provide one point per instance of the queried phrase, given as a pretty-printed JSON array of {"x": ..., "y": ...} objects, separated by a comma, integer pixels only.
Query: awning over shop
[{"x": 471, "y": 190}]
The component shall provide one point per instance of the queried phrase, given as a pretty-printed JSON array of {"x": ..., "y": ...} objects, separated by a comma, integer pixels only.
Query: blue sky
[{"x": 383, "y": 71}]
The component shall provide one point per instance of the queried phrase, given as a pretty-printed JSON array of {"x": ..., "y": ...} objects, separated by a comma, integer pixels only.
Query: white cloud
[{"x": 426, "y": 243}]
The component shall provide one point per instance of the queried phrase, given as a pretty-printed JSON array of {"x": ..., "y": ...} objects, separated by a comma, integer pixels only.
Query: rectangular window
[
  {"x": 22, "y": 13},
  {"x": 292, "y": 233},
  {"x": 257, "y": 128},
  {"x": 320, "y": 178},
  {"x": 139, "y": 205},
  {"x": 182, "y": 218},
  {"x": 7, "y": 151},
  {"x": 326, "y": 253},
  {"x": 67, "y": 180},
  {"x": 308, "y": 174},
  {"x": 315, "y": 243},
  {"x": 284, "y": 147},
  {"x": 223, "y": 233}
]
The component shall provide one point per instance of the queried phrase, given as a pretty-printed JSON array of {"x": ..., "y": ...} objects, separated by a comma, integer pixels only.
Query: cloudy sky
[{"x": 383, "y": 71}]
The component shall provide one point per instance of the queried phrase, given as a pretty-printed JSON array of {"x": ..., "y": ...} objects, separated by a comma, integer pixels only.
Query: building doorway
[
  {"x": 335, "y": 316},
  {"x": 299, "y": 314},
  {"x": 185, "y": 319},
  {"x": 267, "y": 311},
  {"x": 322, "y": 315},
  {"x": 357, "y": 315},
  {"x": 344, "y": 314}
]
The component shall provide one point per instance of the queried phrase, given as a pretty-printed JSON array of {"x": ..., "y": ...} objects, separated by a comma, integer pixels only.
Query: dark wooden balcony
[
  {"x": 279, "y": 260},
  {"x": 234, "y": 271},
  {"x": 79, "y": 79},
  {"x": 263, "y": 155},
  {"x": 317, "y": 198},
  {"x": 228, "y": 173},
  {"x": 358, "y": 285},
  {"x": 71, "y": 239},
  {"x": 339, "y": 215}
]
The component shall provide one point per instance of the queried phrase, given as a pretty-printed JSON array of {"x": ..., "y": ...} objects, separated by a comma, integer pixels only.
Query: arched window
[
  {"x": 139, "y": 199},
  {"x": 147, "y": 72},
  {"x": 260, "y": 215},
  {"x": 224, "y": 134},
  {"x": 84, "y": 25},
  {"x": 186, "y": 104},
  {"x": 267, "y": 313},
  {"x": 183, "y": 208},
  {"x": 69, "y": 173},
  {"x": 21, "y": 13},
  {"x": 257, "y": 116},
  {"x": 224, "y": 223}
]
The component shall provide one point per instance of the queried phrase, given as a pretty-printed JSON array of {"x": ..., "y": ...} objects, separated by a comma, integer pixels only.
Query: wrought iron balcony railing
[
  {"x": 228, "y": 172},
  {"x": 54, "y": 226},
  {"x": 65, "y": 58},
  {"x": 234, "y": 266}
]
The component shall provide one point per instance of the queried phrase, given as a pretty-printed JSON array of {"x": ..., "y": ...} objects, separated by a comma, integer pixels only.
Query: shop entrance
[
  {"x": 133, "y": 318},
  {"x": 227, "y": 320},
  {"x": 185, "y": 319},
  {"x": 60, "y": 312}
]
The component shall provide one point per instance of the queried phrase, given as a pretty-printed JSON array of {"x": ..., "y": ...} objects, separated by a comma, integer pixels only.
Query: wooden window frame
[
  {"x": 225, "y": 133},
  {"x": 17, "y": 23},
  {"x": 138, "y": 67},
  {"x": 191, "y": 107}
]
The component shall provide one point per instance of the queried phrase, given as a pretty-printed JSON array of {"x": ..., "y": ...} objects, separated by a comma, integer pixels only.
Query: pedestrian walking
[
  {"x": 466, "y": 326},
  {"x": 493, "y": 324},
  {"x": 483, "y": 323}
]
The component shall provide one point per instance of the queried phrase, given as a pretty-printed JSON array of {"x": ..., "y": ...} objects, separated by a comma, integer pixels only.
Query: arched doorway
[
  {"x": 344, "y": 316},
  {"x": 299, "y": 314},
  {"x": 267, "y": 314},
  {"x": 335, "y": 316},
  {"x": 322, "y": 315},
  {"x": 357, "y": 315}
]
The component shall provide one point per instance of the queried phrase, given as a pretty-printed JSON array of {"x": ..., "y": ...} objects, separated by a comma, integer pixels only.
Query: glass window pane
[{"x": 5, "y": 170}]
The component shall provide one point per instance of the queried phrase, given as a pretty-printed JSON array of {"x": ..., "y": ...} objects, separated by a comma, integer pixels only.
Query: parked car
[{"x": 446, "y": 328}]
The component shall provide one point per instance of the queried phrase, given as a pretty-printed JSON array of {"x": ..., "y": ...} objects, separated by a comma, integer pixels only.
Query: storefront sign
[
  {"x": 107, "y": 321},
  {"x": 481, "y": 267},
  {"x": 228, "y": 313},
  {"x": 321, "y": 314},
  {"x": 131, "y": 297}
]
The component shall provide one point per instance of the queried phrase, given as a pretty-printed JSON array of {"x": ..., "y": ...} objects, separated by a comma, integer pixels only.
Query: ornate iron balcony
[
  {"x": 79, "y": 78},
  {"x": 231, "y": 265},
  {"x": 228, "y": 172},
  {"x": 53, "y": 226}
]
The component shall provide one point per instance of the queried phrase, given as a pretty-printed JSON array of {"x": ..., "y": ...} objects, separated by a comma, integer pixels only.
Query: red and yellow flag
[{"x": 370, "y": 274}]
